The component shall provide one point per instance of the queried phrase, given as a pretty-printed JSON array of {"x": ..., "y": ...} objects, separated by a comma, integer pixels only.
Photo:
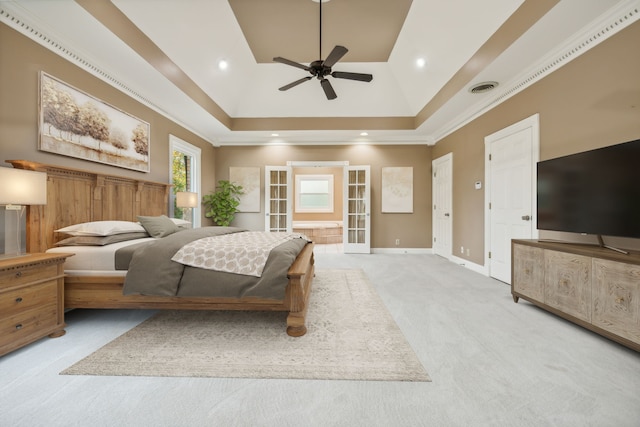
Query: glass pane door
[
  {"x": 277, "y": 197},
  {"x": 357, "y": 210}
]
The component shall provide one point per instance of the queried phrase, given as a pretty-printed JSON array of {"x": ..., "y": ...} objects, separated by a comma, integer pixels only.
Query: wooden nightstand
[{"x": 31, "y": 299}]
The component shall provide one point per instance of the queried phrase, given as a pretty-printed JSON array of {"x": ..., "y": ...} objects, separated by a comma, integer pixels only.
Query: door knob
[
  {"x": 446, "y": 214},
  {"x": 526, "y": 217}
]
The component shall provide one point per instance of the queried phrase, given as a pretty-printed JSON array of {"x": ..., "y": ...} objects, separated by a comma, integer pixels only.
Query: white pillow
[
  {"x": 101, "y": 228},
  {"x": 181, "y": 223}
]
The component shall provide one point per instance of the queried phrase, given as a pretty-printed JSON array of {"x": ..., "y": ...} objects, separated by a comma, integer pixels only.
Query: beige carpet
[{"x": 351, "y": 336}]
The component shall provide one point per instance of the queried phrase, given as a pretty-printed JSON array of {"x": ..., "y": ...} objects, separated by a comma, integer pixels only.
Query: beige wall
[
  {"x": 413, "y": 230},
  {"x": 21, "y": 60},
  {"x": 591, "y": 102}
]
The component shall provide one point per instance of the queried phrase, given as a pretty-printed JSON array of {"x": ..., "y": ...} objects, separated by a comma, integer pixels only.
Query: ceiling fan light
[{"x": 321, "y": 69}]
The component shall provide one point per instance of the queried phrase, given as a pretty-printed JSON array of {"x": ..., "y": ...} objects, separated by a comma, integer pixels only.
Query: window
[
  {"x": 185, "y": 176},
  {"x": 314, "y": 193}
]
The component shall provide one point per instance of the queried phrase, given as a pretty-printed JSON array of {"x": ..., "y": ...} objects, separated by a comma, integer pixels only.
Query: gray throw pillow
[{"x": 158, "y": 226}]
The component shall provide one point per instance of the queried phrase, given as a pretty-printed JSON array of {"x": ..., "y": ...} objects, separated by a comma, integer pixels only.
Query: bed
[{"x": 78, "y": 196}]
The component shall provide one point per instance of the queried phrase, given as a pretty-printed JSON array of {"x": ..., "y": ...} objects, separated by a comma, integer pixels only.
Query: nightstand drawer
[
  {"x": 28, "y": 297},
  {"x": 18, "y": 328},
  {"x": 31, "y": 299},
  {"x": 28, "y": 274}
]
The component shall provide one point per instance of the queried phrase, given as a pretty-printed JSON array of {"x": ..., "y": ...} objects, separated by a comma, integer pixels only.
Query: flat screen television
[{"x": 593, "y": 192}]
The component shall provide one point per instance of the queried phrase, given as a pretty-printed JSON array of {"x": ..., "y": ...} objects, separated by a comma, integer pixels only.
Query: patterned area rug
[{"x": 351, "y": 336}]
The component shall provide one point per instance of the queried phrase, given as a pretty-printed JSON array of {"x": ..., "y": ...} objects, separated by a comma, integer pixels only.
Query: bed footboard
[
  {"x": 106, "y": 292},
  {"x": 297, "y": 296}
]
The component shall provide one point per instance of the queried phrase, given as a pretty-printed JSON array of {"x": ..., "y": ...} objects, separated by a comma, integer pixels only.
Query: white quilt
[{"x": 240, "y": 253}]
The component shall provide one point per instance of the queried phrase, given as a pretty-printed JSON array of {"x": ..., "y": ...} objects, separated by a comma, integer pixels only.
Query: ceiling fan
[{"x": 321, "y": 69}]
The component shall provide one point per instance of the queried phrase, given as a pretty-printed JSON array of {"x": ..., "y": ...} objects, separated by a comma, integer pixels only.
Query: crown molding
[
  {"x": 19, "y": 21},
  {"x": 618, "y": 18}
]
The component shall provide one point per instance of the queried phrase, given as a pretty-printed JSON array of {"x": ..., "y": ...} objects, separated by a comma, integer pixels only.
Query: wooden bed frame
[{"x": 75, "y": 196}]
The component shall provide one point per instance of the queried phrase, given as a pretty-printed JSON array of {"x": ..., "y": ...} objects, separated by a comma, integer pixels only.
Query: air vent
[{"x": 483, "y": 87}]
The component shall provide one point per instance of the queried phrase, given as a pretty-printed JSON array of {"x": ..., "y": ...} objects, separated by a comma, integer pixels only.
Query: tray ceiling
[{"x": 166, "y": 54}]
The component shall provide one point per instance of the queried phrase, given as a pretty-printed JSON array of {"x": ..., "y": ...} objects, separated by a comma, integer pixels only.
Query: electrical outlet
[
  {"x": 397, "y": 242},
  {"x": 462, "y": 250},
  {"x": 468, "y": 252}
]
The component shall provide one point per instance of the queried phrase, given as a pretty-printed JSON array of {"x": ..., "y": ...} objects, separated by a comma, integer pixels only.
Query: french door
[
  {"x": 356, "y": 205},
  {"x": 357, "y": 210},
  {"x": 277, "y": 199}
]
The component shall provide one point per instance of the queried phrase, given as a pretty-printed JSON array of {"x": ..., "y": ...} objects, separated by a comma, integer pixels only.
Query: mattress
[{"x": 94, "y": 260}]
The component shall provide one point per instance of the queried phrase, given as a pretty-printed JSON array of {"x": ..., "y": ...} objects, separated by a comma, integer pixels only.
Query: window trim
[
  {"x": 177, "y": 144},
  {"x": 312, "y": 177}
]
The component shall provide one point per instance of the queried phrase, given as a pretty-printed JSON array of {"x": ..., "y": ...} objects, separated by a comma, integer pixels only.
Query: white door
[
  {"x": 357, "y": 210},
  {"x": 510, "y": 168},
  {"x": 442, "y": 186},
  {"x": 277, "y": 199}
]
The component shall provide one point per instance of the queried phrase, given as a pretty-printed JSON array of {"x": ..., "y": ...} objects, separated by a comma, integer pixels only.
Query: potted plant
[{"x": 222, "y": 204}]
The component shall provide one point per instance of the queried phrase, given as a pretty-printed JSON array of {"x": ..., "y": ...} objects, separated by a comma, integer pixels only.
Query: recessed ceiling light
[
  {"x": 364, "y": 134},
  {"x": 223, "y": 64},
  {"x": 275, "y": 134},
  {"x": 421, "y": 62}
]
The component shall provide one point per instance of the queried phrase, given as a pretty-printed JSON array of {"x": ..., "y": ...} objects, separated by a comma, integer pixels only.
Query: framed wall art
[
  {"x": 75, "y": 124},
  {"x": 249, "y": 179},
  {"x": 397, "y": 190}
]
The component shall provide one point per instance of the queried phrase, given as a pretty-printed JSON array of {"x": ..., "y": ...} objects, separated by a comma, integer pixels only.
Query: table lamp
[
  {"x": 19, "y": 187},
  {"x": 187, "y": 200}
]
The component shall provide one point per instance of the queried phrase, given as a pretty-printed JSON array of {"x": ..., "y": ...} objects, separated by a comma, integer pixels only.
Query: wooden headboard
[{"x": 75, "y": 196}]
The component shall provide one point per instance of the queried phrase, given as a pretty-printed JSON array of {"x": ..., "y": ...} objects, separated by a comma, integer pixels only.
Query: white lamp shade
[
  {"x": 186, "y": 199},
  {"x": 22, "y": 187}
]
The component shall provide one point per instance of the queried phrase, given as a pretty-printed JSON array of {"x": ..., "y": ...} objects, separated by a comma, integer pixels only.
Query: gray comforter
[{"x": 151, "y": 271}]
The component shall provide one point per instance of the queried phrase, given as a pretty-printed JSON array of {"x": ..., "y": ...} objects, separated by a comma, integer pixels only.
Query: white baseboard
[
  {"x": 470, "y": 265},
  {"x": 420, "y": 251},
  {"x": 429, "y": 251}
]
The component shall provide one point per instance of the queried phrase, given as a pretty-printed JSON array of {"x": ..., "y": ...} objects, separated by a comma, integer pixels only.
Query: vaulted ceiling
[{"x": 167, "y": 54}]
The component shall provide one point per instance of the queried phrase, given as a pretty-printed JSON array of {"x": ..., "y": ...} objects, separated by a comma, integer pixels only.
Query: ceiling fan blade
[
  {"x": 328, "y": 89},
  {"x": 296, "y": 83},
  {"x": 352, "y": 76},
  {"x": 293, "y": 64},
  {"x": 335, "y": 55}
]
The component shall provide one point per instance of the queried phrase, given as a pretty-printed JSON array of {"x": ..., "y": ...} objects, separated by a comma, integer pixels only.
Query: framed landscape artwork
[{"x": 76, "y": 124}]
